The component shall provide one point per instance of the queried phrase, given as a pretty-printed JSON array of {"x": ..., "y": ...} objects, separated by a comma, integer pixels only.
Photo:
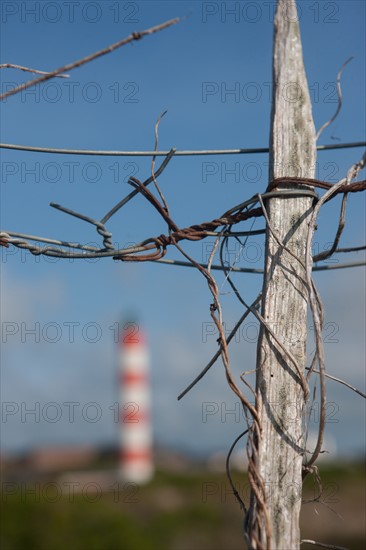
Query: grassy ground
[{"x": 190, "y": 511}]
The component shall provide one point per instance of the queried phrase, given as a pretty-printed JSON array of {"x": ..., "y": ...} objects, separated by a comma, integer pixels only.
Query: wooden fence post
[{"x": 280, "y": 393}]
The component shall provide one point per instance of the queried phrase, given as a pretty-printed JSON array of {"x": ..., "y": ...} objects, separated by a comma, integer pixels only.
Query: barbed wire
[
  {"x": 70, "y": 66},
  {"x": 241, "y": 212},
  {"x": 155, "y": 248}
]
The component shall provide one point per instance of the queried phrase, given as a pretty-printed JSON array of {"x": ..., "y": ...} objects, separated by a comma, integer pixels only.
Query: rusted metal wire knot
[{"x": 290, "y": 181}]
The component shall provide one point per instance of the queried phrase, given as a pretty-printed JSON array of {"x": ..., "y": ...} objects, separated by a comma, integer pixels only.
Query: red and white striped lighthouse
[{"x": 136, "y": 459}]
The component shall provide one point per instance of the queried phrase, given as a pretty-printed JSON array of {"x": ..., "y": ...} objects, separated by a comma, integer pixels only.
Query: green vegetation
[{"x": 185, "y": 511}]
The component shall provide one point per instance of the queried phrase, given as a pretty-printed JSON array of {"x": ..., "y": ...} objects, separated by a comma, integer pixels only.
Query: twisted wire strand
[{"x": 160, "y": 243}]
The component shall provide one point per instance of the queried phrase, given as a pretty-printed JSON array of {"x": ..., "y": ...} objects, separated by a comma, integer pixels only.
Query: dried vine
[{"x": 155, "y": 248}]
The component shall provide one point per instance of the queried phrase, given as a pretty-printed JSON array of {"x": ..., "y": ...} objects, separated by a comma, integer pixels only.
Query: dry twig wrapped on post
[{"x": 285, "y": 270}]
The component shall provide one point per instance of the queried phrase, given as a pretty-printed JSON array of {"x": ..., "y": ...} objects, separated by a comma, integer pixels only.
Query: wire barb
[{"x": 88, "y": 58}]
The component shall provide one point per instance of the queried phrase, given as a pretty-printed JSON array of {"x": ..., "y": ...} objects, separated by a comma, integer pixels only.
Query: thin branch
[
  {"x": 236, "y": 494},
  {"x": 131, "y": 38},
  {"x": 214, "y": 250},
  {"x": 130, "y": 196},
  {"x": 138, "y": 185},
  {"x": 315, "y": 303},
  {"x": 217, "y": 354},
  {"x": 26, "y": 69},
  {"x": 302, "y": 379},
  {"x": 342, "y": 217},
  {"x": 339, "y": 106},
  {"x": 323, "y": 545},
  {"x": 232, "y": 266},
  {"x": 353, "y": 388},
  {"x": 153, "y": 175},
  {"x": 280, "y": 243}
]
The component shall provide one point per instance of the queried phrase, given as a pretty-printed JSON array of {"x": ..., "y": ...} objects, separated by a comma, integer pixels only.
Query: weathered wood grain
[{"x": 280, "y": 399}]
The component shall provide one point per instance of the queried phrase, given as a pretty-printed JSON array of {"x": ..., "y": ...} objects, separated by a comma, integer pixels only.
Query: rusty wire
[
  {"x": 158, "y": 245},
  {"x": 155, "y": 248},
  {"x": 65, "y": 68},
  {"x": 254, "y": 430}
]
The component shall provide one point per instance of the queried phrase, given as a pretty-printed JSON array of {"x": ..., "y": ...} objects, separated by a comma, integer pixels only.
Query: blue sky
[{"x": 212, "y": 72}]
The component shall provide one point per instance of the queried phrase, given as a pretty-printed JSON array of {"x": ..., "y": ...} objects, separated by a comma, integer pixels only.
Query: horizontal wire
[
  {"x": 164, "y": 153},
  {"x": 9, "y": 237},
  {"x": 338, "y": 266},
  {"x": 352, "y": 249},
  {"x": 21, "y": 236},
  {"x": 16, "y": 239},
  {"x": 159, "y": 244},
  {"x": 181, "y": 263}
]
